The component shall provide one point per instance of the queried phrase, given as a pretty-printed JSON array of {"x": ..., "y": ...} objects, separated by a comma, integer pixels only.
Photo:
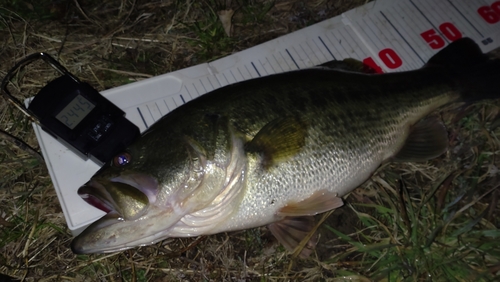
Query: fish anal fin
[
  {"x": 427, "y": 139},
  {"x": 292, "y": 230},
  {"x": 278, "y": 140},
  {"x": 319, "y": 202}
]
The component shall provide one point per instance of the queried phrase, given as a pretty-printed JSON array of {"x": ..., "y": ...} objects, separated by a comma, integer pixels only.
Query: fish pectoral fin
[
  {"x": 318, "y": 202},
  {"x": 292, "y": 230},
  {"x": 278, "y": 140},
  {"x": 427, "y": 140}
]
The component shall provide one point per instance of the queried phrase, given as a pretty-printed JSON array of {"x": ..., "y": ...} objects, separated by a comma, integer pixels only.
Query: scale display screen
[
  {"x": 73, "y": 113},
  {"x": 80, "y": 117}
]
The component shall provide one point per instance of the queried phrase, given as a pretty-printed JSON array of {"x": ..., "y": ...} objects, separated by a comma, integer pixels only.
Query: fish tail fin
[{"x": 477, "y": 75}]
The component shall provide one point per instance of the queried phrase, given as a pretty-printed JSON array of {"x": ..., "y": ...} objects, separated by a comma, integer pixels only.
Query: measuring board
[{"x": 389, "y": 35}]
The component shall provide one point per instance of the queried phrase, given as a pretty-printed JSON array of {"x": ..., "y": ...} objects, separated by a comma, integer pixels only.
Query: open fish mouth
[
  {"x": 94, "y": 193},
  {"x": 124, "y": 199},
  {"x": 129, "y": 196}
]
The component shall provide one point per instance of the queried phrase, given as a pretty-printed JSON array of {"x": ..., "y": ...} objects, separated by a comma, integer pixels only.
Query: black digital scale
[{"x": 76, "y": 114}]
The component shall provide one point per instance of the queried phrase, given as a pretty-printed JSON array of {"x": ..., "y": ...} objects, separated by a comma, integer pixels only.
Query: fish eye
[{"x": 122, "y": 159}]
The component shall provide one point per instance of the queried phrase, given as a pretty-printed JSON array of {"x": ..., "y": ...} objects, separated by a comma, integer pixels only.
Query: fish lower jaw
[{"x": 81, "y": 246}]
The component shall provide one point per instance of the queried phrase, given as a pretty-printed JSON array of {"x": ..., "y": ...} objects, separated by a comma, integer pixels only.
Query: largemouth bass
[{"x": 277, "y": 150}]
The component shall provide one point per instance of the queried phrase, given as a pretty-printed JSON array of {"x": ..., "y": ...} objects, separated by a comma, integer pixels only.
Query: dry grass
[{"x": 432, "y": 221}]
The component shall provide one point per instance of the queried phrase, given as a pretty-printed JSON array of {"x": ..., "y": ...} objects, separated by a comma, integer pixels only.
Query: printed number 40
[{"x": 388, "y": 56}]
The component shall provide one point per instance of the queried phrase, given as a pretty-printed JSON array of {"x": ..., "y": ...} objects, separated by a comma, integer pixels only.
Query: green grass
[
  {"x": 209, "y": 38},
  {"x": 416, "y": 240}
]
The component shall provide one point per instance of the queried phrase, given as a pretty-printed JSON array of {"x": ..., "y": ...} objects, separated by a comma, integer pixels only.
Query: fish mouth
[
  {"x": 113, "y": 234},
  {"x": 86, "y": 243},
  {"x": 124, "y": 199},
  {"x": 94, "y": 193},
  {"x": 129, "y": 196}
]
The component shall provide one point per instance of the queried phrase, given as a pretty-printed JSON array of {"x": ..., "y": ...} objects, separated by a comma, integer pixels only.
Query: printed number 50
[{"x": 435, "y": 41}]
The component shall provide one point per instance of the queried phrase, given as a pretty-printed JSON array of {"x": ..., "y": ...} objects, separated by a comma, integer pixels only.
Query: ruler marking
[
  {"x": 285, "y": 61},
  {"x": 195, "y": 89},
  {"x": 307, "y": 55},
  {"x": 235, "y": 80},
  {"x": 315, "y": 53},
  {"x": 411, "y": 27},
  {"x": 402, "y": 37},
  {"x": 224, "y": 75},
  {"x": 266, "y": 70},
  {"x": 272, "y": 66},
  {"x": 355, "y": 41},
  {"x": 242, "y": 76},
  {"x": 278, "y": 63},
  {"x": 373, "y": 43},
  {"x": 372, "y": 26},
  {"x": 203, "y": 85},
  {"x": 187, "y": 90},
  {"x": 249, "y": 72},
  {"x": 158, "y": 107},
  {"x": 371, "y": 40},
  {"x": 299, "y": 56},
  {"x": 312, "y": 55},
  {"x": 150, "y": 113},
  {"x": 347, "y": 43},
  {"x": 322, "y": 50},
  {"x": 211, "y": 85},
  {"x": 406, "y": 26},
  {"x": 166, "y": 105},
  {"x": 477, "y": 20},
  {"x": 430, "y": 22},
  {"x": 466, "y": 19},
  {"x": 182, "y": 98},
  {"x": 288, "y": 52},
  {"x": 340, "y": 45},
  {"x": 406, "y": 20},
  {"x": 327, "y": 49},
  {"x": 301, "y": 60},
  {"x": 142, "y": 117}
]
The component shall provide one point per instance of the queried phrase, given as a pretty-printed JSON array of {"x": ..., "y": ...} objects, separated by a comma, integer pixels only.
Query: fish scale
[
  {"x": 276, "y": 150},
  {"x": 359, "y": 154}
]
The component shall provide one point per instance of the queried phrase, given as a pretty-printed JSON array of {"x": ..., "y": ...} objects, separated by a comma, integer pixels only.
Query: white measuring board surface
[{"x": 389, "y": 35}]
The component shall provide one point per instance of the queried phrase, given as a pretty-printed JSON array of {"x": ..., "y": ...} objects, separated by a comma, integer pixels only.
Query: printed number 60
[{"x": 491, "y": 14}]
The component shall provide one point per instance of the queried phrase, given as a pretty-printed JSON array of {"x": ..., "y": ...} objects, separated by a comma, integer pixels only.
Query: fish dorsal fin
[
  {"x": 349, "y": 64},
  {"x": 427, "y": 140},
  {"x": 318, "y": 202},
  {"x": 278, "y": 140},
  {"x": 292, "y": 230}
]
